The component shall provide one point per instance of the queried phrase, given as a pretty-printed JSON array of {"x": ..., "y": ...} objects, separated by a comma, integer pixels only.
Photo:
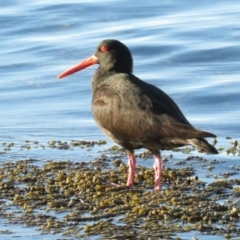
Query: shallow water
[{"x": 190, "y": 50}]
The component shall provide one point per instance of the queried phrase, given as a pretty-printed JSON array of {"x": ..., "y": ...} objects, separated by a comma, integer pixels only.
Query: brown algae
[{"x": 75, "y": 199}]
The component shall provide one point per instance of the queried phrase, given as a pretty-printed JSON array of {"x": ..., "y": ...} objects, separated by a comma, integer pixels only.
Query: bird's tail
[{"x": 203, "y": 145}]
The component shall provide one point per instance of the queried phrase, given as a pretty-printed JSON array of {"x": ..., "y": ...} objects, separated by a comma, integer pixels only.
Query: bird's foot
[
  {"x": 130, "y": 185},
  {"x": 157, "y": 188},
  {"x": 114, "y": 184},
  {"x": 118, "y": 185}
]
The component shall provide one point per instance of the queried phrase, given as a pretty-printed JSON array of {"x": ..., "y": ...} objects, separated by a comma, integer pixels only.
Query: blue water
[{"x": 188, "y": 49}]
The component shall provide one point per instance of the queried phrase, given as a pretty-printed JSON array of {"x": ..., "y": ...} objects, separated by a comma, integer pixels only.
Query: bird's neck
[{"x": 100, "y": 77}]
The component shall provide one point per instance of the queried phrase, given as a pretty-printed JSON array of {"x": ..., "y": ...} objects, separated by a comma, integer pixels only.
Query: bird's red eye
[{"x": 104, "y": 48}]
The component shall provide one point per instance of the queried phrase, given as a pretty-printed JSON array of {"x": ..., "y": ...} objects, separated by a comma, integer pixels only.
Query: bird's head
[{"x": 110, "y": 54}]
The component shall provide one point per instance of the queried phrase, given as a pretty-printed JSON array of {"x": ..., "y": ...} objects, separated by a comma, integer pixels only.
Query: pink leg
[
  {"x": 132, "y": 165},
  {"x": 158, "y": 170}
]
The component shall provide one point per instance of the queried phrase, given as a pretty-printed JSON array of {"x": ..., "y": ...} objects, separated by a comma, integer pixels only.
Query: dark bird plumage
[{"x": 133, "y": 113}]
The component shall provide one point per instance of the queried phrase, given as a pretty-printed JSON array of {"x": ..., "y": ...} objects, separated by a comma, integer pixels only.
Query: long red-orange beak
[{"x": 86, "y": 63}]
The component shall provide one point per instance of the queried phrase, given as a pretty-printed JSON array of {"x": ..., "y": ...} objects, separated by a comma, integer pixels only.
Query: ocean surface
[{"x": 188, "y": 49}]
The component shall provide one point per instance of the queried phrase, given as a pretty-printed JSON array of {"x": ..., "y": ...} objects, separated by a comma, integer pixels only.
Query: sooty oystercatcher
[{"x": 133, "y": 113}]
